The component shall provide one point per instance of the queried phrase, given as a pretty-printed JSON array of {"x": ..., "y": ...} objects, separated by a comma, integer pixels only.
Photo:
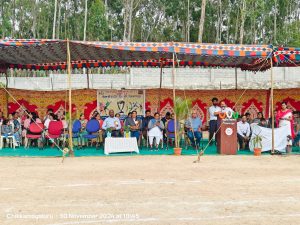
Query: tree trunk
[
  {"x": 254, "y": 26},
  {"x": 188, "y": 22},
  {"x": 202, "y": 21},
  {"x": 275, "y": 23},
  {"x": 220, "y": 22},
  {"x": 228, "y": 27},
  {"x": 130, "y": 20},
  {"x": 236, "y": 26},
  {"x": 35, "y": 6},
  {"x": 54, "y": 20},
  {"x": 105, "y": 5},
  {"x": 125, "y": 19},
  {"x": 85, "y": 19},
  {"x": 2, "y": 17},
  {"x": 242, "y": 21},
  {"x": 14, "y": 19},
  {"x": 58, "y": 19}
]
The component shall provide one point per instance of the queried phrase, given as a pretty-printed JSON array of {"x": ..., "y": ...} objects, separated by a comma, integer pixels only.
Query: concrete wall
[{"x": 186, "y": 78}]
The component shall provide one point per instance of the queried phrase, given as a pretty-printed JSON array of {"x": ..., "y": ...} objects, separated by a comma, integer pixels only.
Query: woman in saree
[{"x": 284, "y": 117}]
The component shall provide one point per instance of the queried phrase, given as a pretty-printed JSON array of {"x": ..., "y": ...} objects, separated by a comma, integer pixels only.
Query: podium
[{"x": 227, "y": 136}]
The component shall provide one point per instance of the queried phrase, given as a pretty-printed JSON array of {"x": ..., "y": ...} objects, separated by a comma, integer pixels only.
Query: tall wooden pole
[
  {"x": 174, "y": 101},
  {"x": 6, "y": 94},
  {"x": 272, "y": 106},
  {"x": 236, "y": 81},
  {"x": 70, "y": 98},
  {"x": 160, "y": 85}
]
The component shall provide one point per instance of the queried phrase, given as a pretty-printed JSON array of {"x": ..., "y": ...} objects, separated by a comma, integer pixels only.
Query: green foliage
[
  {"x": 257, "y": 141},
  {"x": 126, "y": 129},
  {"x": 266, "y": 22},
  {"x": 182, "y": 108},
  {"x": 97, "y": 27}
]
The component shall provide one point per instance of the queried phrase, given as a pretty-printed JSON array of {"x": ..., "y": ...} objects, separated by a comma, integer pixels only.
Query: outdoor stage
[
  {"x": 92, "y": 151},
  {"x": 156, "y": 190}
]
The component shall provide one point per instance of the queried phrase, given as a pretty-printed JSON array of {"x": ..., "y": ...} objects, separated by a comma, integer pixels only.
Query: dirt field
[{"x": 150, "y": 190}]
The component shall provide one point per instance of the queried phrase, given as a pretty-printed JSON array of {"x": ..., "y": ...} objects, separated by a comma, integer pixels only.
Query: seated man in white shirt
[
  {"x": 243, "y": 132},
  {"x": 112, "y": 124},
  {"x": 156, "y": 127}
]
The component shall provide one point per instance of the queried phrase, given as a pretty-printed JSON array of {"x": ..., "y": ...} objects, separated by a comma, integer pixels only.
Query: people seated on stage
[
  {"x": 27, "y": 121},
  {"x": 296, "y": 140},
  {"x": 248, "y": 116},
  {"x": 97, "y": 116},
  {"x": 83, "y": 121},
  {"x": 128, "y": 116},
  {"x": 134, "y": 124},
  {"x": 49, "y": 111},
  {"x": 145, "y": 123},
  {"x": 17, "y": 128},
  {"x": 31, "y": 118},
  {"x": 243, "y": 133},
  {"x": 1, "y": 117},
  {"x": 10, "y": 119},
  {"x": 94, "y": 114},
  {"x": 166, "y": 118},
  {"x": 263, "y": 123},
  {"x": 64, "y": 121},
  {"x": 213, "y": 113},
  {"x": 259, "y": 117},
  {"x": 6, "y": 128},
  {"x": 50, "y": 117},
  {"x": 193, "y": 126},
  {"x": 155, "y": 130},
  {"x": 112, "y": 123},
  {"x": 270, "y": 120},
  {"x": 118, "y": 115}
]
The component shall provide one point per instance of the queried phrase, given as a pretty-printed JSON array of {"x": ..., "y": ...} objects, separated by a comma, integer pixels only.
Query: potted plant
[
  {"x": 257, "y": 144},
  {"x": 126, "y": 131},
  {"x": 181, "y": 108},
  {"x": 108, "y": 132}
]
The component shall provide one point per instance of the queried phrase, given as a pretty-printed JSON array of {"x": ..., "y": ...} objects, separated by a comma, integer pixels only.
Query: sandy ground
[{"x": 150, "y": 190}]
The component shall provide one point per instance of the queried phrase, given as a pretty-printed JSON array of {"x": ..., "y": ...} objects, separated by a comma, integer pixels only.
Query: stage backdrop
[
  {"x": 121, "y": 101},
  {"x": 85, "y": 101}
]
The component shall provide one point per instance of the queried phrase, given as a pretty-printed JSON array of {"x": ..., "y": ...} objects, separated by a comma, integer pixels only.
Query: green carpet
[{"x": 92, "y": 151}]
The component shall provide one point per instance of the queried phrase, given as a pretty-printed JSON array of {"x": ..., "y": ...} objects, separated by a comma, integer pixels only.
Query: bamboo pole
[
  {"x": 272, "y": 106},
  {"x": 174, "y": 101},
  {"x": 6, "y": 94},
  {"x": 70, "y": 99},
  {"x": 160, "y": 85}
]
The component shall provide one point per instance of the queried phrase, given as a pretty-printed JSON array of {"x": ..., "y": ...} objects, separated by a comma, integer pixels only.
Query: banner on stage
[{"x": 121, "y": 101}]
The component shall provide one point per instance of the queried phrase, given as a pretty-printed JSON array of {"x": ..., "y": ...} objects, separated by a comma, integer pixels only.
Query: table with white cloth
[
  {"x": 116, "y": 145},
  {"x": 280, "y": 137}
]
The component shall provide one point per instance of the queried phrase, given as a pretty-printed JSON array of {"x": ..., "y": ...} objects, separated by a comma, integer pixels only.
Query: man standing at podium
[
  {"x": 213, "y": 117},
  {"x": 224, "y": 108}
]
